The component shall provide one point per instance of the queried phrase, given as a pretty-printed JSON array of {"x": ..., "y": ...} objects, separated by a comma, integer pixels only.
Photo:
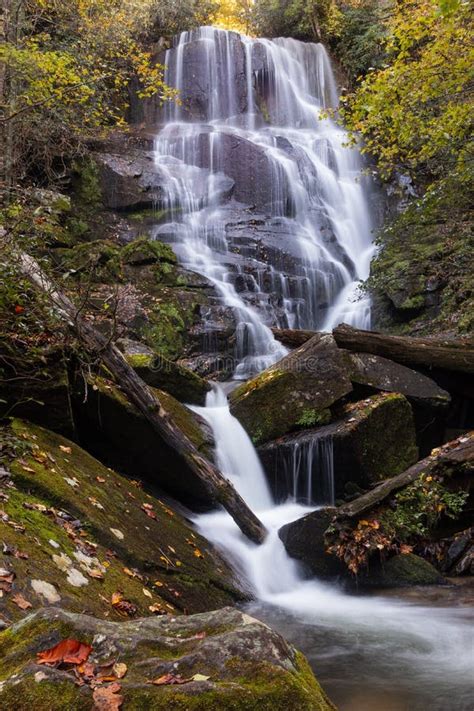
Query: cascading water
[
  {"x": 265, "y": 200},
  {"x": 409, "y": 656},
  {"x": 263, "y": 197}
]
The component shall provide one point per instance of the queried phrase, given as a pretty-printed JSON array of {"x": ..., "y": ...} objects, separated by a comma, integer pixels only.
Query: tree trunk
[
  {"x": 220, "y": 488},
  {"x": 453, "y": 355}
]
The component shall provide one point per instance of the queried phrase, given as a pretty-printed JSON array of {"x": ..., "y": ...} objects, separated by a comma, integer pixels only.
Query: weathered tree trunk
[
  {"x": 452, "y": 456},
  {"x": 456, "y": 355},
  {"x": 429, "y": 352},
  {"x": 220, "y": 489}
]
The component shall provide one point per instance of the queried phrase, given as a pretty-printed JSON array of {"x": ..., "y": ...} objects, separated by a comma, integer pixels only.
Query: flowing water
[
  {"x": 265, "y": 200},
  {"x": 371, "y": 653},
  {"x": 263, "y": 197}
]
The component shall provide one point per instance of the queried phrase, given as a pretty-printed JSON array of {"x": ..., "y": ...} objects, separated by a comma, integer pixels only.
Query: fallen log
[
  {"x": 452, "y": 455},
  {"x": 441, "y": 353},
  {"x": 429, "y": 352},
  {"x": 220, "y": 488}
]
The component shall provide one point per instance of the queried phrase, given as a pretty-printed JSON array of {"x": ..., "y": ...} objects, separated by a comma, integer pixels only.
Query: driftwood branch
[{"x": 220, "y": 488}]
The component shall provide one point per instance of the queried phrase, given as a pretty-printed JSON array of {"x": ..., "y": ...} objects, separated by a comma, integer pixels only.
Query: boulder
[
  {"x": 299, "y": 388},
  {"x": 383, "y": 374},
  {"x": 237, "y": 662},
  {"x": 373, "y": 440},
  {"x": 304, "y": 540},
  {"x": 129, "y": 181},
  {"x": 115, "y": 431},
  {"x": 75, "y": 532},
  {"x": 429, "y": 401},
  {"x": 400, "y": 571},
  {"x": 160, "y": 372}
]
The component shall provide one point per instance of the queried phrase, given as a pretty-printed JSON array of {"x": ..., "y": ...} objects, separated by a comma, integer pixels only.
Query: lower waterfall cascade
[
  {"x": 262, "y": 196},
  {"x": 399, "y": 640}
]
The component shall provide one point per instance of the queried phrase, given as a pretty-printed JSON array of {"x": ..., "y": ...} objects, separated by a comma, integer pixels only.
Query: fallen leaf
[
  {"x": 69, "y": 651},
  {"x": 168, "y": 679},
  {"x": 20, "y": 601},
  {"x": 117, "y": 533},
  {"x": 158, "y": 583},
  {"x": 123, "y": 607},
  {"x": 200, "y": 677},
  {"x": 157, "y": 609},
  {"x": 63, "y": 448},
  {"x": 119, "y": 669},
  {"x": 100, "y": 479},
  {"x": 95, "y": 573},
  {"x": 198, "y": 553},
  {"x": 107, "y": 698},
  {"x": 147, "y": 592}
]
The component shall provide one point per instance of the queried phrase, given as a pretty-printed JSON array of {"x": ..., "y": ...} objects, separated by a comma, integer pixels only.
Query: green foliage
[
  {"x": 359, "y": 38},
  {"x": 311, "y": 418},
  {"x": 171, "y": 16},
  {"x": 67, "y": 69},
  {"x": 411, "y": 517},
  {"x": 418, "y": 507},
  {"x": 415, "y": 112},
  {"x": 304, "y": 19}
]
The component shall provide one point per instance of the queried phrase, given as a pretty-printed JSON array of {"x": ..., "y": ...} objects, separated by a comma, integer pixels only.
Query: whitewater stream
[
  {"x": 371, "y": 653},
  {"x": 265, "y": 200}
]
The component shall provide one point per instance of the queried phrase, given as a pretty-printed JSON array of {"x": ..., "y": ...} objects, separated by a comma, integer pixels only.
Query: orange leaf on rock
[
  {"x": 69, "y": 651},
  {"x": 168, "y": 679},
  {"x": 107, "y": 698}
]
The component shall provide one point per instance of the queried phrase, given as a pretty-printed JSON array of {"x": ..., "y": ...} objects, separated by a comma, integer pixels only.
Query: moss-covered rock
[
  {"x": 111, "y": 427},
  {"x": 422, "y": 277},
  {"x": 162, "y": 373},
  {"x": 309, "y": 380},
  {"x": 74, "y": 524},
  {"x": 372, "y": 440},
  {"x": 244, "y": 665},
  {"x": 146, "y": 251},
  {"x": 400, "y": 571}
]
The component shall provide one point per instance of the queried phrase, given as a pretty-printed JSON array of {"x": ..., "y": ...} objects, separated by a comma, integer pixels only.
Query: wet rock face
[
  {"x": 129, "y": 181},
  {"x": 303, "y": 384},
  {"x": 373, "y": 440},
  {"x": 240, "y": 662}
]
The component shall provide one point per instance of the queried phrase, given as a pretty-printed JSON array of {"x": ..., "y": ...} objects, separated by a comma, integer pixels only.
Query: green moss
[
  {"x": 143, "y": 249},
  {"x": 86, "y": 183},
  {"x": 311, "y": 418},
  {"x": 422, "y": 277},
  {"x": 160, "y": 549},
  {"x": 44, "y": 696}
]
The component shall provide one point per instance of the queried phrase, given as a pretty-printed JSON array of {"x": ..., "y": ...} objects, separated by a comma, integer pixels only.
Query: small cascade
[
  {"x": 310, "y": 468},
  {"x": 263, "y": 197}
]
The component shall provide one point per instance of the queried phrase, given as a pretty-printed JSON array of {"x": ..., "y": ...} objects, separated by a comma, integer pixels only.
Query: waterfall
[
  {"x": 423, "y": 644},
  {"x": 263, "y": 197}
]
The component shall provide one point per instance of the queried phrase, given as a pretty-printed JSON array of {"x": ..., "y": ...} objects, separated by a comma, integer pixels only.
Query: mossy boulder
[
  {"x": 146, "y": 251},
  {"x": 400, "y": 571},
  {"x": 111, "y": 427},
  {"x": 243, "y": 665},
  {"x": 75, "y": 532},
  {"x": 371, "y": 440},
  {"x": 299, "y": 388},
  {"x": 160, "y": 372}
]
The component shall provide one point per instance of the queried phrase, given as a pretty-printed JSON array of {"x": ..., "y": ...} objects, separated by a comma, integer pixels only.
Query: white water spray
[{"x": 249, "y": 145}]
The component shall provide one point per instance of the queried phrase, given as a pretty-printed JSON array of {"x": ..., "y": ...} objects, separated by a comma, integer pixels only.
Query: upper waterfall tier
[{"x": 263, "y": 196}]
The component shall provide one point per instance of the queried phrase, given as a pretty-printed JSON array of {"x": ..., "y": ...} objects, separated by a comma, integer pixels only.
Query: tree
[
  {"x": 415, "y": 112},
  {"x": 67, "y": 67}
]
